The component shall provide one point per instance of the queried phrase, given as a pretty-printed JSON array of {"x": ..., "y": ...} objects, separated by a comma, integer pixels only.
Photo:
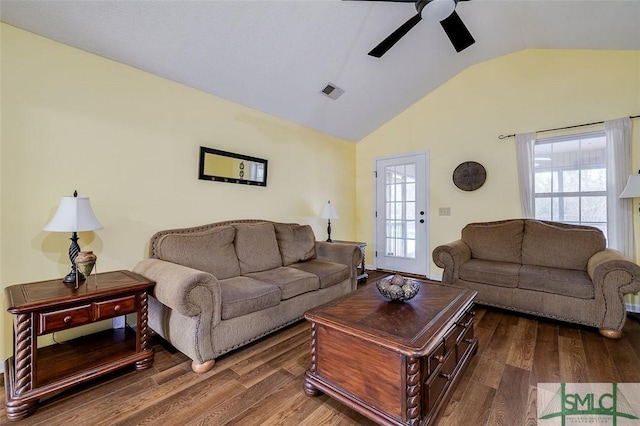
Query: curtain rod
[{"x": 564, "y": 128}]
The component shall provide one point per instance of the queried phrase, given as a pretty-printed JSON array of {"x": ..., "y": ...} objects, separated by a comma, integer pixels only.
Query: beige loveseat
[
  {"x": 222, "y": 285},
  {"x": 543, "y": 268}
]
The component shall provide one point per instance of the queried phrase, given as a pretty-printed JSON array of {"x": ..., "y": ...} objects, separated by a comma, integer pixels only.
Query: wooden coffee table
[{"x": 396, "y": 363}]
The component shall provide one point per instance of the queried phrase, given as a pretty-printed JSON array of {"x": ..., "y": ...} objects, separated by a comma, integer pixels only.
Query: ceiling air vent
[{"x": 332, "y": 91}]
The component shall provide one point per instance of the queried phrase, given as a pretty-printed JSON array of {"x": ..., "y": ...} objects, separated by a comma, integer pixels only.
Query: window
[{"x": 570, "y": 182}]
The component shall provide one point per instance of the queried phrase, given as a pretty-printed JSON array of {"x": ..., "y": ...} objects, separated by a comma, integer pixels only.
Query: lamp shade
[
  {"x": 329, "y": 212},
  {"x": 632, "y": 190},
  {"x": 74, "y": 215}
]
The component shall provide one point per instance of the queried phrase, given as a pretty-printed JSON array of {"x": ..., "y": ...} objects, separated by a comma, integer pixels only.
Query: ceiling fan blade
[
  {"x": 458, "y": 33},
  {"x": 388, "y": 42}
]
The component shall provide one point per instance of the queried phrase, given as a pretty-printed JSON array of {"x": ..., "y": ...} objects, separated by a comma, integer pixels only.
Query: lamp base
[{"x": 73, "y": 277}]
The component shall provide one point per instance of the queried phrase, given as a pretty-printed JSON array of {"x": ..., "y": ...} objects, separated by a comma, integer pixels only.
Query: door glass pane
[
  {"x": 391, "y": 193},
  {"x": 411, "y": 249},
  {"x": 411, "y": 192},
  {"x": 390, "y": 211},
  {"x": 390, "y": 249},
  {"x": 411, "y": 230},
  {"x": 411, "y": 172},
  {"x": 390, "y": 229},
  {"x": 400, "y": 209},
  {"x": 411, "y": 212},
  {"x": 399, "y": 192}
]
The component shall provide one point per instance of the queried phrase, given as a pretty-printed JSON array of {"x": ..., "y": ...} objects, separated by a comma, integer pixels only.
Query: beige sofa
[
  {"x": 223, "y": 285},
  {"x": 543, "y": 268}
]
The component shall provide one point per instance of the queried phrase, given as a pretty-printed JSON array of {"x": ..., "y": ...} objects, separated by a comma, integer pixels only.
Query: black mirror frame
[{"x": 201, "y": 175}]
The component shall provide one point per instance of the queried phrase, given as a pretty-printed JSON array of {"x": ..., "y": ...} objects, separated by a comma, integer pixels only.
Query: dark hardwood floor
[{"x": 261, "y": 384}]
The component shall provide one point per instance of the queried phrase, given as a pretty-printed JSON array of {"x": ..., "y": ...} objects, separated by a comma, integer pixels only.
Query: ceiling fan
[{"x": 443, "y": 11}]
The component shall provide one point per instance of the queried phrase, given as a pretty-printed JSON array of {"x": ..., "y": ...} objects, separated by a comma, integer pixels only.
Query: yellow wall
[
  {"x": 130, "y": 141},
  {"x": 461, "y": 120}
]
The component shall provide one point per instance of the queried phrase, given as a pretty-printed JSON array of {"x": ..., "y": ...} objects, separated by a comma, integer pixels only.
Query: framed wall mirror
[{"x": 223, "y": 166}]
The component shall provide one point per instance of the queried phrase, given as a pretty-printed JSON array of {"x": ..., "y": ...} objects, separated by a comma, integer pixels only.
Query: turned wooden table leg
[
  {"x": 143, "y": 333},
  {"x": 18, "y": 408},
  {"x": 413, "y": 391},
  {"x": 309, "y": 388}
]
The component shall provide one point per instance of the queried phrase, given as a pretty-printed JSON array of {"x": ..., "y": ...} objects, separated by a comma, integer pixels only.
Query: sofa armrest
[
  {"x": 449, "y": 257},
  {"x": 345, "y": 253},
  {"x": 185, "y": 290},
  {"x": 613, "y": 273}
]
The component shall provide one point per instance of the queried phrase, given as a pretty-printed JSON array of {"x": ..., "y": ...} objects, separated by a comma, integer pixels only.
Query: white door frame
[{"x": 424, "y": 267}]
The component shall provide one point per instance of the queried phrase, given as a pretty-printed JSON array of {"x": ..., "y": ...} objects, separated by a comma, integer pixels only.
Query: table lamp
[
  {"x": 329, "y": 212},
  {"x": 632, "y": 190},
  {"x": 74, "y": 215}
]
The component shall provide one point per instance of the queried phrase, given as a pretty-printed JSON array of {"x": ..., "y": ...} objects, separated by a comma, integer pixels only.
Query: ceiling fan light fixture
[{"x": 435, "y": 10}]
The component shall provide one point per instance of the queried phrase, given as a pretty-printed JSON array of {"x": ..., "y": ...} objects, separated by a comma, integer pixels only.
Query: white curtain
[
  {"x": 619, "y": 210},
  {"x": 524, "y": 158}
]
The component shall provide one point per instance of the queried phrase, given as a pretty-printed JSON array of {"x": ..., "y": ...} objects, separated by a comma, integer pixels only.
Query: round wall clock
[{"x": 469, "y": 176}]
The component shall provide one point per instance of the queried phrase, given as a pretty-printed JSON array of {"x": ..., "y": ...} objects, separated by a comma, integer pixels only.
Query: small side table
[
  {"x": 362, "y": 274},
  {"x": 45, "y": 307}
]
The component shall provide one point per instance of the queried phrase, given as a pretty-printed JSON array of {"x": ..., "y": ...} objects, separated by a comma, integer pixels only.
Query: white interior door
[{"x": 401, "y": 213}]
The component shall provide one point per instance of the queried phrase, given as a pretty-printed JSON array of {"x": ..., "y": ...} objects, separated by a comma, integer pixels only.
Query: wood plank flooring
[{"x": 261, "y": 384}]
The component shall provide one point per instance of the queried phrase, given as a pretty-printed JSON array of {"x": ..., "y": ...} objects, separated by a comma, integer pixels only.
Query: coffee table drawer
[
  {"x": 435, "y": 359},
  {"x": 465, "y": 341},
  {"x": 438, "y": 382}
]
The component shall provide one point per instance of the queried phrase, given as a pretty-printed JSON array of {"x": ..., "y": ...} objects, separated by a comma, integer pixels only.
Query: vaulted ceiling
[{"x": 277, "y": 55}]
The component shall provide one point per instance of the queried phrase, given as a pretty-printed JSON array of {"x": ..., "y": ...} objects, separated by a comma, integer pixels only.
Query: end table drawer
[
  {"x": 63, "y": 319},
  {"x": 115, "y": 307}
]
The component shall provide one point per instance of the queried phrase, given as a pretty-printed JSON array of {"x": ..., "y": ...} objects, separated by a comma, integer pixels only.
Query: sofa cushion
[
  {"x": 557, "y": 281},
  {"x": 257, "y": 247},
  {"x": 329, "y": 273},
  {"x": 560, "y": 245},
  {"x": 243, "y": 295},
  {"x": 210, "y": 251},
  {"x": 500, "y": 241},
  {"x": 297, "y": 242},
  {"x": 292, "y": 282},
  {"x": 503, "y": 274}
]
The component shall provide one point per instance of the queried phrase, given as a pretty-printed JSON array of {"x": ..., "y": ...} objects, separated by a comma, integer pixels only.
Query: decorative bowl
[{"x": 397, "y": 288}]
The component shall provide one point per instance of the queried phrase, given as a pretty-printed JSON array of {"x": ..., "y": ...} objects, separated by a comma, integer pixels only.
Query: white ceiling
[{"x": 276, "y": 56}]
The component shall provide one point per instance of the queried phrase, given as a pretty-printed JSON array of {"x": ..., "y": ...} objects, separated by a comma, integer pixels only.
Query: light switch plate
[{"x": 445, "y": 211}]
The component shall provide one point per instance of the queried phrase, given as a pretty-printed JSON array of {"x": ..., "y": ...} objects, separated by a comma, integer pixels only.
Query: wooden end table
[
  {"x": 396, "y": 363},
  {"x": 362, "y": 273},
  {"x": 45, "y": 307}
]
